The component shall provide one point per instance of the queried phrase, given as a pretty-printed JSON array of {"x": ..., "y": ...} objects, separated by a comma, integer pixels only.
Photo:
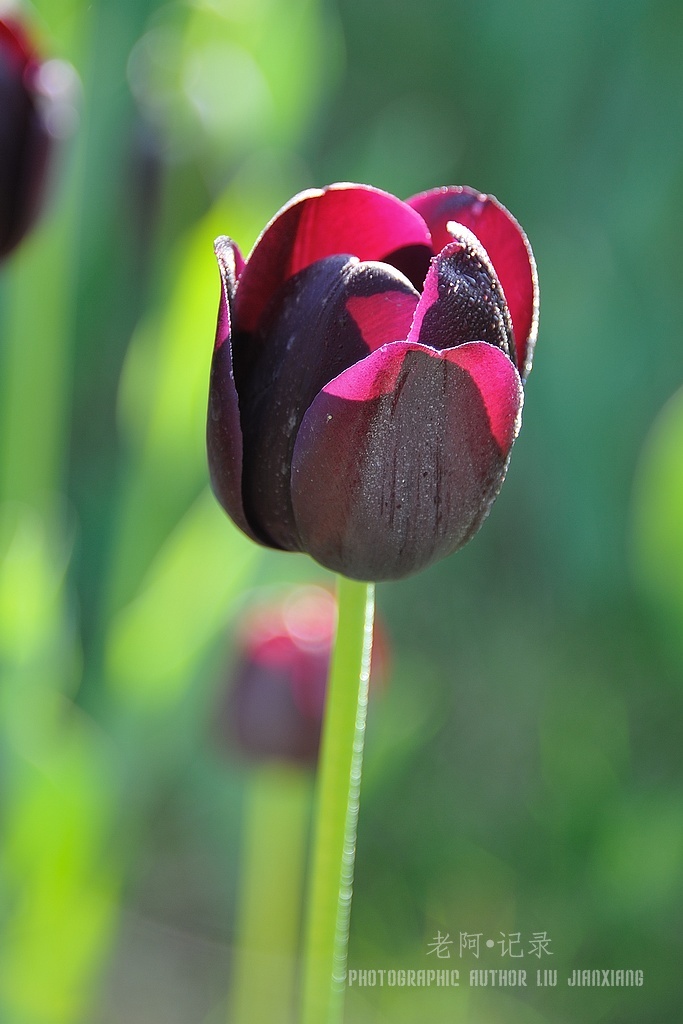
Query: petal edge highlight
[
  {"x": 343, "y": 218},
  {"x": 463, "y": 300},
  {"x": 399, "y": 459},
  {"x": 223, "y": 428},
  {"x": 507, "y": 246}
]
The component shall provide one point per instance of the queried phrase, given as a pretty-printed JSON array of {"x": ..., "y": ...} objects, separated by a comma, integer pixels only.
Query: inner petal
[
  {"x": 323, "y": 320},
  {"x": 357, "y": 219},
  {"x": 507, "y": 247},
  {"x": 462, "y": 300}
]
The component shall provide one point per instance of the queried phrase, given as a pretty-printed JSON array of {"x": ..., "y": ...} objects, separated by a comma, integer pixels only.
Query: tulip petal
[
  {"x": 224, "y": 432},
  {"x": 462, "y": 300},
  {"x": 506, "y": 244},
  {"x": 325, "y": 318},
  {"x": 355, "y": 219},
  {"x": 24, "y": 139},
  {"x": 399, "y": 459}
]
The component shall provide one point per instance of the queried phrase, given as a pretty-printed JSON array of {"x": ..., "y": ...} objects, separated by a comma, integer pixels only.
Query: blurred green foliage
[{"x": 523, "y": 770}]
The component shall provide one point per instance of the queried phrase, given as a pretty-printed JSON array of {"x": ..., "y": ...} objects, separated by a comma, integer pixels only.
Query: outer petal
[
  {"x": 224, "y": 433},
  {"x": 462, "y": 300},
  {"x": 399, "y": 459},
  {"x": 326, "y": 317},
  {"x": 24, "y": 140},
  {"x": 506, "y": 245},
  {"x": 355, "y": 219}
]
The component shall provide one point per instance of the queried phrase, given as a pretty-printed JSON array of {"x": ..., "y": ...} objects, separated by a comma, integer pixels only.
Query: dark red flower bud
[
  {"x": 35, "y": 109},
  {"x": 275, "y": 705},
  {"x": 366, "y": 385}
]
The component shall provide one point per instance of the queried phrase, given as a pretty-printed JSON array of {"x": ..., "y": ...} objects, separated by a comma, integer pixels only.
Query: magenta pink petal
[
  {"x": 355, "y": 219},
  {"x": 398, "y": 459},
  {"x": 507, "y": 247}
]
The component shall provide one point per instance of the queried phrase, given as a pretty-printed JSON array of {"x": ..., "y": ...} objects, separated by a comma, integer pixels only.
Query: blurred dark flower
[
  {"x": 36, "y": 108},
  {"x": 366, "y": 385},
  {"x": 275, "y": 705}
]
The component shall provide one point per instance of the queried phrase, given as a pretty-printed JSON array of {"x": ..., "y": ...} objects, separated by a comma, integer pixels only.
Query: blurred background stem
[
  {"x": 336, "y": 809},
  {"x": 110, "y": 294},
  {"x": 37, "y": 322},
  {"x": 269, "y": 907}
]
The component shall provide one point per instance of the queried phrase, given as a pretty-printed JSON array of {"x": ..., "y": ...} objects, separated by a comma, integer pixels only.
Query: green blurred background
[{"x": 523, "y": 770}]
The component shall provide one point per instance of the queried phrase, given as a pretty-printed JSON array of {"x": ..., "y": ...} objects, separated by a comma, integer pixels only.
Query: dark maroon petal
[
  {"x": 354, "y": 219},
  {"x": 399, "y": 459},
  {"x": 24, "y": 140},
  {"x": 324, "y": 319},
  {"x": 224, "y": 433},
  {"x": 413, "y": 261},
  {"x": 506, "y": 244},
  {"x": 462, "y": 300}
]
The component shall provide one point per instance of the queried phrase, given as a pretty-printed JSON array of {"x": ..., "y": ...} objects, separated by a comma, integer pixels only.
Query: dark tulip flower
[
  {"x": 35, "y": 108},
  {"x": 276, "y": 701},
  {"x": 367, "y": 378}
]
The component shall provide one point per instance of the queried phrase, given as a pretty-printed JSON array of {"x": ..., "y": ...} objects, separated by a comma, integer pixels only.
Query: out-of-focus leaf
[
  {"x": 157, "y": 640},
  {"x": 63, "y": 892},
  {"x": 221, "y": 79},
  {"x": 65, "y": 21},
  {"x": 60, "y": 893},
  {"x": 640, "y": 851},
  {"x": 32, "y": 568},
  {"x": 658, "y": 520},
  {"x": 400, "y": 722},
  {"x": 584, "y": 747}
]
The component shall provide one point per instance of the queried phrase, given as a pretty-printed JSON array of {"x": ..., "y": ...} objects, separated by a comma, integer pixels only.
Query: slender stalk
[
  {"x": 336, "y": 808},
  {"x": 268, "y": 912}
]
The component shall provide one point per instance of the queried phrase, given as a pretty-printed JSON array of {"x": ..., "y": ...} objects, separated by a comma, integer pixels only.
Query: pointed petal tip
[
  {"x": 507, "y": 246},
  {"x": 229, "y": 257},
  {"x": 462, "y": 299}
]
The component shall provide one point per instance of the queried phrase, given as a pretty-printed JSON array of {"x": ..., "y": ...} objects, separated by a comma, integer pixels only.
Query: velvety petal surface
[
  {"x": 224, "y": 431},
  {"x": 462, "y": 300},
  {"x": 399, "y": 459},
  {"x": 324, "y": 318},
  {"x": 355, "y": 219},
  {"x": 506, "y": 244}
]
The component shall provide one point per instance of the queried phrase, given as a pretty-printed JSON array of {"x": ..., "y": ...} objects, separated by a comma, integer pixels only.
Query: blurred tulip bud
[
  {"x": 275, "y": 706},
  {"x": 37, "y": 108}
]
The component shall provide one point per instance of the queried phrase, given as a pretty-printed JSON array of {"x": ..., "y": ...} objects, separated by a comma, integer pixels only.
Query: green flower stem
[
  {"x": 269, "y": 903},
  {"x": 336, "y": 809}
]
